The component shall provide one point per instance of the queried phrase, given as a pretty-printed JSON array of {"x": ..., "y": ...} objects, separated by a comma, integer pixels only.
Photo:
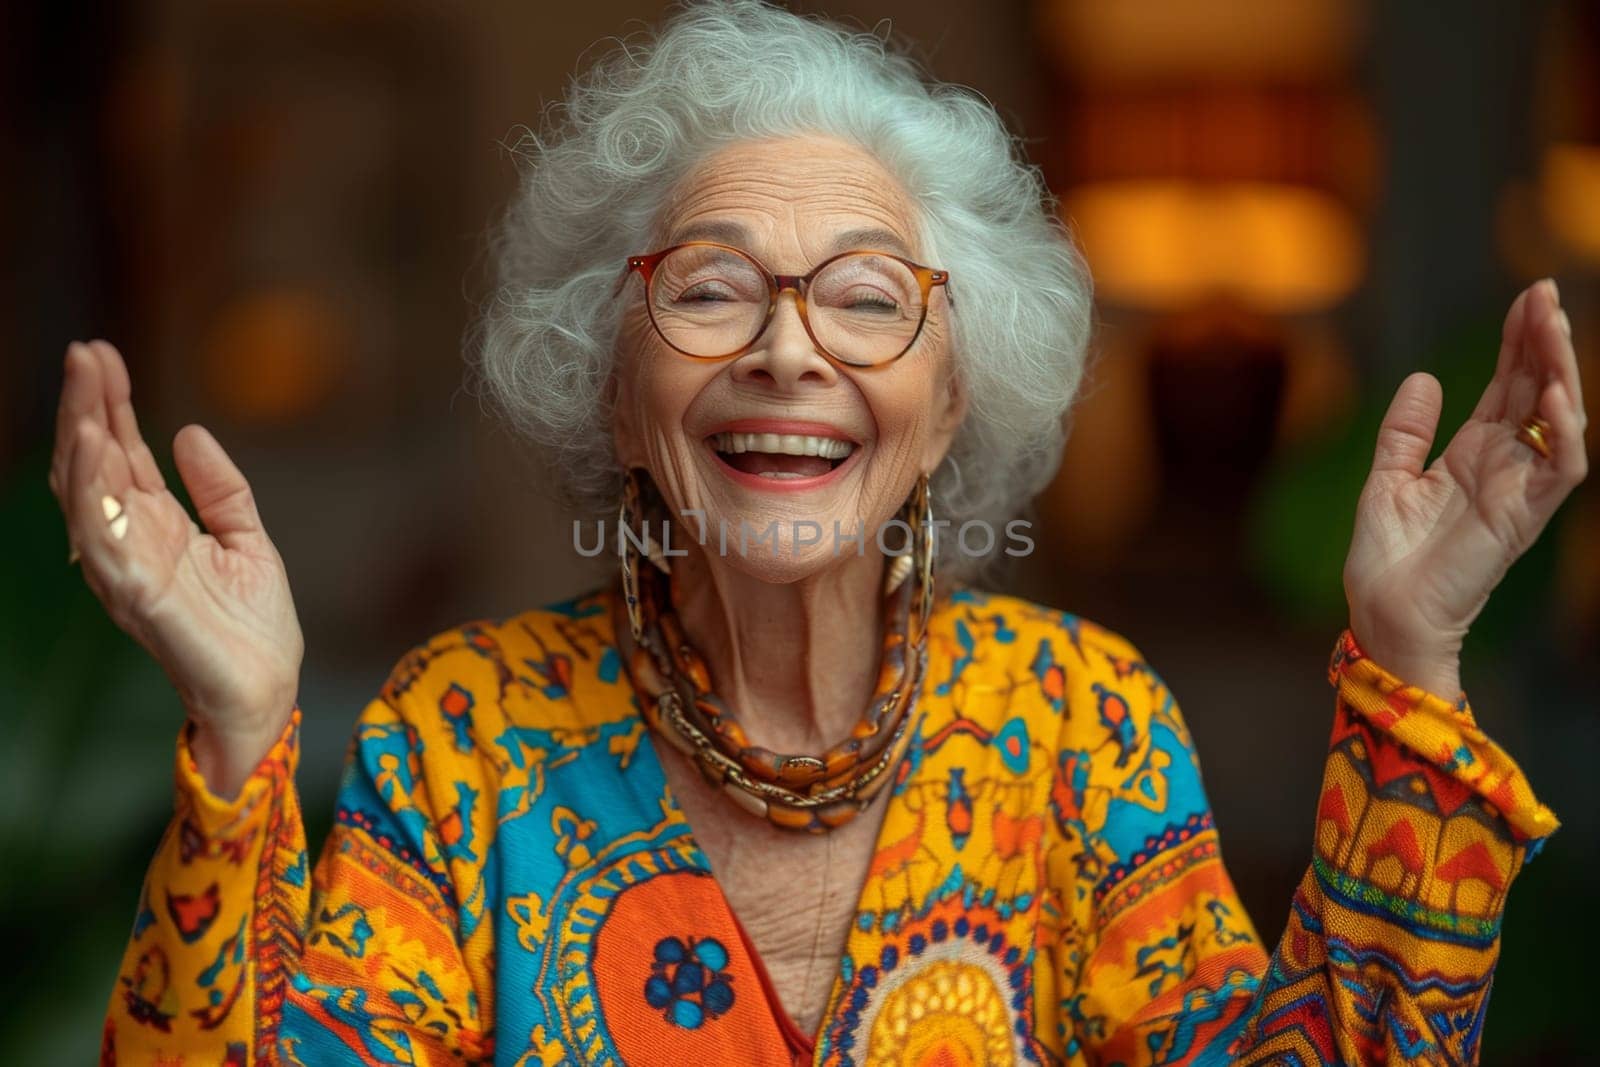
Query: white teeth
[{"x": 783, "y": 444}]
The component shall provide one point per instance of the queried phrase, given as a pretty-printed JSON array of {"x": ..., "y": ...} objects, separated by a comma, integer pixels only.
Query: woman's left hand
[{"x": 1430, "y": 544}]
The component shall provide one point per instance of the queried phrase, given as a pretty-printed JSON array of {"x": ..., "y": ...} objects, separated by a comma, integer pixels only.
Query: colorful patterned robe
[{"x": 509, "y": 879}]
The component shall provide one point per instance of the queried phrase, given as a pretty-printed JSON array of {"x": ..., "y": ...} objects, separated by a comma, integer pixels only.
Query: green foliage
[
  {"x": 87, "y": 734},
  {"x": 88, "y": 731}
]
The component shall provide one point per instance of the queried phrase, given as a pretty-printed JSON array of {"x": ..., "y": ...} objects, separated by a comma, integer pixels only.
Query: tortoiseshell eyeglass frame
[{"x": 645, "y": 266}]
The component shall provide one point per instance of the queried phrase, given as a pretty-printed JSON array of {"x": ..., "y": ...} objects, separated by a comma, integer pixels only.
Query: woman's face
[{"x": 792, "y": 203}]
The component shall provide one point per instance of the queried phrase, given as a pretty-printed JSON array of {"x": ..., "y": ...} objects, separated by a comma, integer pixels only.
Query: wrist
[
  {"x": 1443, "y": 681},
  {"x": 227, "y": 755},
  {"x": 1434, "y": 668}
]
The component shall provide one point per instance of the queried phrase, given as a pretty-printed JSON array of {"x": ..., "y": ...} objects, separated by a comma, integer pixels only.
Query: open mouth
[{"x": 781, "y": 456}]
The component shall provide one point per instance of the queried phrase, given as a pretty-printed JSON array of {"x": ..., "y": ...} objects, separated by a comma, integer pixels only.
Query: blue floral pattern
[{"x": 688, "y": 980}]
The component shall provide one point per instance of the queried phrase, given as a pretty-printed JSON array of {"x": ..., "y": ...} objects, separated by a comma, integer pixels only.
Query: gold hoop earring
[
  {"x": 917, "y": 514},
  {"x": 627, "y": 554},
  {"x": 926, "y": 550}
]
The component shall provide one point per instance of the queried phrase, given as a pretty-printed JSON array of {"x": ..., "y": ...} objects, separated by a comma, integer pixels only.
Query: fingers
[
  {"x": 82, "y": 397},
  {"x": 222, "y": 498},
  {"x": 1535, "y": 349},
  {"x": 1538, "y": 375},
  {"x": 1549, "y": 339},
  {"x": 1406, "y": 434},
  {"x": 96, "y": 386},
  {"x": 124, "y": 424},
  {"x": 1511, "y": 331},
  {"x": 98, "y": 471},
  {"x": 1568, "y": 461},
  {"x": 1514, "y": 389}
]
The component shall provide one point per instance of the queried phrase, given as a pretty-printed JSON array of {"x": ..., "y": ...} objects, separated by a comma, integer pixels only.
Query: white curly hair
[{"x": 597, "y": 174}]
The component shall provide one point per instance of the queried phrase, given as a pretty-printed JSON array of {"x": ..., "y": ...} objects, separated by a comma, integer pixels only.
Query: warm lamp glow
[
  {"x": 1570, "y": 196},
  {"x": 1137, "y": 40},
  {"x": 1164, "y": 244},
  {"x": 273, "y": 355},
  {"x": 1322, "y": 137}
]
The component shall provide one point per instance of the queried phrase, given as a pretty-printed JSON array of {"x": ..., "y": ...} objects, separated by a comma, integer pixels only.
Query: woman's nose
[{"x": 785, "y": 355}]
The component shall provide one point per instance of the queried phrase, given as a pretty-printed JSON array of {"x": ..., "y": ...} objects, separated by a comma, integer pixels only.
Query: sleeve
[
  {"x": 1393, "y": 933},
  {"x": 241, "y": 955},
  {"x": 1422, "y": 825}
]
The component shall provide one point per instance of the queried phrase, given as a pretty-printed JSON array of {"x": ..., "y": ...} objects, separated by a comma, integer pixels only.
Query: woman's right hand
[{"x": 212, "y": 606}]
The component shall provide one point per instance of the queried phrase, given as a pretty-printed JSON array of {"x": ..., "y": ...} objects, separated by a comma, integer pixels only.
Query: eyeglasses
[{"x": 711, "y": 301}]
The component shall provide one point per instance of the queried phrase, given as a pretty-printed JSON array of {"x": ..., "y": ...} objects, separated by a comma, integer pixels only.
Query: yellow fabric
[{"x": 509, "y": 880}]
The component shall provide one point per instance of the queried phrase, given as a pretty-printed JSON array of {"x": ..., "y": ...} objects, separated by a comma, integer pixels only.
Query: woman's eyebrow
[
  {"x": 728, "y": 232},
  {"x": 875, "y": 238},
  {"x": 717, "y": 230}
]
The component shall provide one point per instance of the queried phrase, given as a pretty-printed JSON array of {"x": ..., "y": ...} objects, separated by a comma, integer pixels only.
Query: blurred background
[{"x": 277, "y": 211}]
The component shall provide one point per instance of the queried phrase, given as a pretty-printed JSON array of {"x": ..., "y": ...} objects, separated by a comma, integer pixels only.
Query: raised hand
[
  {"x": 212, "y": 606},
  {"x": 1431, "y": 544}
]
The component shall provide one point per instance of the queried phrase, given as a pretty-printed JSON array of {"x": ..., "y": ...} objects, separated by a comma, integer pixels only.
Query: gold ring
[
  {"x": 1532, "y": 433},
  {"x": 116, "y": 517}
]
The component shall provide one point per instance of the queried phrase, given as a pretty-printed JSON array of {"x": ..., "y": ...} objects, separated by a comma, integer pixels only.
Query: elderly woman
[{"x": 778, "y": 794}]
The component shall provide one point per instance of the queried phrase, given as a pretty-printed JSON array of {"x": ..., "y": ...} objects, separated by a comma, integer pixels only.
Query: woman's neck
[{"x": 798, "y": 662}]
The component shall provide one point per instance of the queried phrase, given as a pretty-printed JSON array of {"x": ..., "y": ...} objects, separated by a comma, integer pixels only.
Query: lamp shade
[{"x": 1162, "y": 244}]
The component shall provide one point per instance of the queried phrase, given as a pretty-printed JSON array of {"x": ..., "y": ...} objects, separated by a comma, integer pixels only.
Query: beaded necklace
[{"x": 794, "y": 791}]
